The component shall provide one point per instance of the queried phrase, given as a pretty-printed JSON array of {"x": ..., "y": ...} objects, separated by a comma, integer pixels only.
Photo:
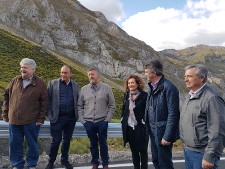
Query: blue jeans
[
  {"x": 16, "y": 138},
  {"x": 161, "y": 155},
  {"x": 61, "y": 130},
  {"x": 193, "y": 160},
  {"x": 97, "y": 133}
]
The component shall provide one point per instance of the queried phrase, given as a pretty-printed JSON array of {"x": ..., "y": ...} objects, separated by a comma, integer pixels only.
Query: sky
[{"x": 167, "y": 24}]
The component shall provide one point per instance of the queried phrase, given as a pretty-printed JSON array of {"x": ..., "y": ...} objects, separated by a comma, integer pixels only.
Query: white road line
[{"x": 127, "y": 164}]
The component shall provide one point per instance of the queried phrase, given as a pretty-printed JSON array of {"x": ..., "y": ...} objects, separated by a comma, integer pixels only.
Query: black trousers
[
  {"x": 61, "y": 131},
  {"x": 139, "y": 155}
]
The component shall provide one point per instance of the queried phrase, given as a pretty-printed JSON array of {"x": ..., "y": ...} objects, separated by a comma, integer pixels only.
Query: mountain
[
  {"x": 71, "y": 29},
  {"x": 212, "y": 56},
  {"x": 87, "y": 38}
]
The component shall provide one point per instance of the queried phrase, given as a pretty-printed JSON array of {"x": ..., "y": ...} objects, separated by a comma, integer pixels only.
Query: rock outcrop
[
  {"x": 68, "y": 28},
  {"x": 71, "y": 29}
]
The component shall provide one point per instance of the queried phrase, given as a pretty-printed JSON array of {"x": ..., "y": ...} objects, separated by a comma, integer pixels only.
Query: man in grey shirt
[
  {"x": 202, "y": 120},
  {"x": 96, "y": 106}
]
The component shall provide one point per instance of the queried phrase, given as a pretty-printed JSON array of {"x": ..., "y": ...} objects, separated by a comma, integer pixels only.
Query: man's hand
[
  {"x": 165, "y": 143},
  {"x": 38, "y": 124},
  {"x": 206, "y": 164},
  {"x": 83, "y": 122},
  {"x": 6, "y": 120}
]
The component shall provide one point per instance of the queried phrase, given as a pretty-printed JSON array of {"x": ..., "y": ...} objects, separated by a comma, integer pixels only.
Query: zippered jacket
[
  {"x": 25, "y": 106},
  {"x": 165, "y": 115},
  {"x": 202, "y": 123}
]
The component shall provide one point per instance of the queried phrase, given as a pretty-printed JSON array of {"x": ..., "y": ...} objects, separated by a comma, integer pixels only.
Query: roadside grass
[
  {"x": 82, "y": 145},
  {"x": 178, "y": 145}
]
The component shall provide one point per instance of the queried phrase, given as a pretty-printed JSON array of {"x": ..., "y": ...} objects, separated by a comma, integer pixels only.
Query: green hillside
[
  {"x": 13, "y": 49},
  {"x": 212, "y": 56}
]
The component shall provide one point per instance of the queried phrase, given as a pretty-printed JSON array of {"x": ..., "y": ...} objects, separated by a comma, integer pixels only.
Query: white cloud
[
  {"x": 112, "y": 9},
  {"x": 199, "y": 22}
]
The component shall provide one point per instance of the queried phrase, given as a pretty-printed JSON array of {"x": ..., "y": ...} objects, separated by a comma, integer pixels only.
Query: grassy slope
[
  {"x": 212, "y": 56},
  {"x": 13, "y": 49}
]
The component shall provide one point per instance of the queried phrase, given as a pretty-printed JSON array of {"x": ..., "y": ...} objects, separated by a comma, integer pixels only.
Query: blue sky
[
  {"x": 134, "y": 6},
  {"x": 167, "y": 24}
]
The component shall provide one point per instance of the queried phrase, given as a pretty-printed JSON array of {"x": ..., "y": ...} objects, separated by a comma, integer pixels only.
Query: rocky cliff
[{"x": 70, "y": 29}]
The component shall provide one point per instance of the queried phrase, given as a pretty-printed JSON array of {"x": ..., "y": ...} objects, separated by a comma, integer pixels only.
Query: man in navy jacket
[
  {"x": 162, "y": 115},
  {"x": 62, "y": 112}
]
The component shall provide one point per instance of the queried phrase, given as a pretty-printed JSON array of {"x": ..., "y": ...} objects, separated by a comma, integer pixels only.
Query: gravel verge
[{"x": 78, "y": 160}]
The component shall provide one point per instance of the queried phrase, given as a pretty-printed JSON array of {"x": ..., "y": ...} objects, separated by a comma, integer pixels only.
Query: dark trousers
[
  {"x": 140, "y": 157},
  {"x": 97, "y": 133},
  {"x": 161, "y": 155},
  {"x": 61, "y": 130}
]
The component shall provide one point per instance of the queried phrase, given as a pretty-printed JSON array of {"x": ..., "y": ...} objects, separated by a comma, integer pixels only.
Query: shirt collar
[
  {"x": 65, "y": 82},
  {"x": 154, "y": 85},
  {"x": 98, "y": 85},
  {"x": 29, "y": 79},
  {"x": 193, "y": 94},
  {"x": 68, "y": 82}
]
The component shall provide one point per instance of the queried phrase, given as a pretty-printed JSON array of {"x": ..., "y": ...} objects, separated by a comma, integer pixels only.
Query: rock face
[{"x": 68, "y": 28}]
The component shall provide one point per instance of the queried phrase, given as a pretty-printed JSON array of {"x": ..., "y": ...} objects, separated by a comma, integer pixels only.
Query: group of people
[
  {"x": 155, "y": 113},
  {"x": 200, "y": 124}
]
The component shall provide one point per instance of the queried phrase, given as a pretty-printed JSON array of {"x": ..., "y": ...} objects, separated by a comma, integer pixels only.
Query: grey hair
[
  {"x": 28, "y": 61},
  {"x": 68, "y": 67},
  {"x": 202, "y": 70},
  {"x": 92, "y": 68},
  {"x": 155, "y": 66}
]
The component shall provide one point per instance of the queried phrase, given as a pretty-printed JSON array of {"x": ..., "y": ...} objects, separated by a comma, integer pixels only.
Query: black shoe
[
  {"x": 49, "y": 166},
  {"x": 67, "y": 164}
]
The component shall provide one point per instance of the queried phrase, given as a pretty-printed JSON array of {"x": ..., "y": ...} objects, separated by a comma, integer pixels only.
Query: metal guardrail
[{"x": 114, "y": 130}]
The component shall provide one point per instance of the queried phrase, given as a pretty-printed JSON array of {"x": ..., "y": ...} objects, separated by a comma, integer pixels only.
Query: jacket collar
[
  {"x": 33, "y": 82},
  {"x": 200, "y": 92},
  {"x": 98, "y": 85},
  {"x": 159, "y": 86},
  {"x": 139, "y": 96}
]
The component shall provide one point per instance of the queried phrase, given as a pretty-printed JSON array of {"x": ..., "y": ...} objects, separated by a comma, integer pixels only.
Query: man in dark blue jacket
[
  {"x": 62, "y": 113},
  {"x": 162, "y": 115}
]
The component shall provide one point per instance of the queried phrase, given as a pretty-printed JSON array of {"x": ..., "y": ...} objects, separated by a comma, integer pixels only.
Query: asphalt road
[{"x": 178, "y": 164}]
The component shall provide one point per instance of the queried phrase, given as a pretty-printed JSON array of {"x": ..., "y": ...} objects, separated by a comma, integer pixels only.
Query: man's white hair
[{"x": 28, "y": 61}]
